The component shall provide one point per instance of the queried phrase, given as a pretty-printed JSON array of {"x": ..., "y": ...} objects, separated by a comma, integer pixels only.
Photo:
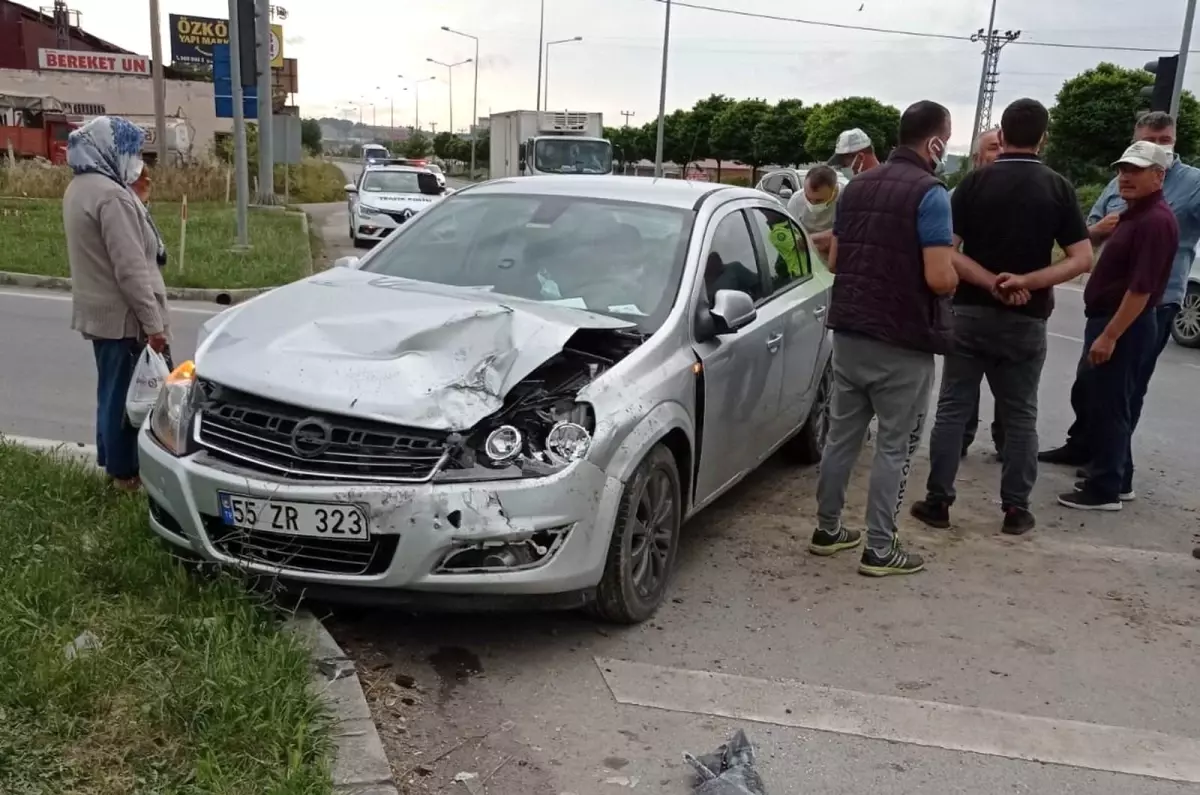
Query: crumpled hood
[{"x": 364, "y": 345}]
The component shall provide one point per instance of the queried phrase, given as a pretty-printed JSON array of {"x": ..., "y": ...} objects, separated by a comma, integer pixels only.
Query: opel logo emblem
[{"x": 311, "y": 437}]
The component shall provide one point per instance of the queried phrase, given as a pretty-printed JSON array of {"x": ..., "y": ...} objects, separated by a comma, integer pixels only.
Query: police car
[{"x": 384, "y": 197}]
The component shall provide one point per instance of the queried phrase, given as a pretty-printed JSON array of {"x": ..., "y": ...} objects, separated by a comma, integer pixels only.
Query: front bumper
[
  {"x": 373, "y": 228},
  {"x": 414, "y": 528}
]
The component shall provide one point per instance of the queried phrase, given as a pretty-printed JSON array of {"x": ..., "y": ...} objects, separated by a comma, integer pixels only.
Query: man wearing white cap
[
  {"x": 853, "y": 154},
  {"x": 1119, "y": 303}
]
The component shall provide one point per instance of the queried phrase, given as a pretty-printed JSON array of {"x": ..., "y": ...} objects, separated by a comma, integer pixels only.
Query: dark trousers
[
  {"x": 1009, "y": 349},
  {"x": 116, "y": 438},
  {"x": 973, "y": 429},
  {"x": 1109, "y": 392},
  {"x": 1077, "y": 436}
]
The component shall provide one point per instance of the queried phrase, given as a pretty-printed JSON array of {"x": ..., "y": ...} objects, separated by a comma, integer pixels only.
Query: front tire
[
  {"x": 806, "y": 446},
  {"x": 1186, "y": 328},
  {"x": 645, "y": 542}
]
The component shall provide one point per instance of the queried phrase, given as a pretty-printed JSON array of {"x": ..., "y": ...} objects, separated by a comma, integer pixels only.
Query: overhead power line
[{"x": 913, "y": 33}]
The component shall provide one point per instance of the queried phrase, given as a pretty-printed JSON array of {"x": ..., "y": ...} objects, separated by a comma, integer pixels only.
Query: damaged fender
[{"x": 658, "y": 422}]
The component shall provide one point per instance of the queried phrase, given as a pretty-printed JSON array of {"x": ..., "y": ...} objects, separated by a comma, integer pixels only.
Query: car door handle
[
  {"x": 774, "y": 341},
  {"x": 820, "y": 311}
]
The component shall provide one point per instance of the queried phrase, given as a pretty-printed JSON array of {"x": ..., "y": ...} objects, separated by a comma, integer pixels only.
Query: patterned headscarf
[{"x": 112, "y": 147}]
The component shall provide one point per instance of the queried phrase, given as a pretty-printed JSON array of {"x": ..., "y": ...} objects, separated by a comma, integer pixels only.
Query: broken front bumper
[{"x": 514, "y": 538}]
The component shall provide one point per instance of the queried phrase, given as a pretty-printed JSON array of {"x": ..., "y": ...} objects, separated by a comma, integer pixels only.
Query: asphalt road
[{"x": 1064, "y": 662}]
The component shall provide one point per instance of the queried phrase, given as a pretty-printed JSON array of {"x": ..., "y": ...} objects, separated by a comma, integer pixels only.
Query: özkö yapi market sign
[{"x": 193, "y": 38}]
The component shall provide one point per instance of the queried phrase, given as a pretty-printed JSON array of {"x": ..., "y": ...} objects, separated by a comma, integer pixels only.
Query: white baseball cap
[
  {"x": 1145, "y": 154},
  {"x": 852, "y": 141}
]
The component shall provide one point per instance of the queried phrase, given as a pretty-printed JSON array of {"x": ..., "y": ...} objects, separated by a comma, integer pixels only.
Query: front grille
[
  {"x": 398, "y": 217},
  {"x": 296, "y": 553},
  {"x": 257, "y": 433}
]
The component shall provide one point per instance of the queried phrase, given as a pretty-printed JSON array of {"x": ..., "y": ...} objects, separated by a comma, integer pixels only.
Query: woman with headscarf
[{"x": 118, "y": 297}]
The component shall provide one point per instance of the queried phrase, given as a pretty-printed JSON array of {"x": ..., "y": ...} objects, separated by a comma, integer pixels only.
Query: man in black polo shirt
[
  {"x": 1119, "y": 303},
  {"x": 1008, "y": 218}
]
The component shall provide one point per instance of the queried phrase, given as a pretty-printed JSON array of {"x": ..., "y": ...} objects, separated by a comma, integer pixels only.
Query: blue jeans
[
  {"x": 116, "y": 438},
  {"x": 1110, "y": 391}
]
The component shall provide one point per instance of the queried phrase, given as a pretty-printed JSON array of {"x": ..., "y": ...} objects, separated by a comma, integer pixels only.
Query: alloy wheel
[
  {"x": 1187, "y": 322},
  {"x": 653, "y": 532}
]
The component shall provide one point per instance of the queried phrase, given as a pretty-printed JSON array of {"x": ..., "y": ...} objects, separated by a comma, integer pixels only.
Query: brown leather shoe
[{"x": 127, "y": 485}]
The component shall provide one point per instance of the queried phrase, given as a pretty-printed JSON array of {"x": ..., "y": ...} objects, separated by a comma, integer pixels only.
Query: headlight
[
  {"x": 366, "y": 211},
  {"x": 567, "y": 442},
  {"x": 172, "y": 414},
  {"x": 528, "y": 443}
]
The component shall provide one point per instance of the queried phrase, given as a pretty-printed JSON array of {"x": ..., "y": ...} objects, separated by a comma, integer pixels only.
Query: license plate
[{"x": 310, "y": 519}]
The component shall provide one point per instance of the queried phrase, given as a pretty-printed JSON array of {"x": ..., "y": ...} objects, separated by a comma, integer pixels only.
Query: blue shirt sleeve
[
  {"x": 1100, "y": 208},
  {"x": 934, "y": 224}
]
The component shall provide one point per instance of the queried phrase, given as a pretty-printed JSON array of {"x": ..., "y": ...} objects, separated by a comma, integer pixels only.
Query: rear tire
[
  {"x": 1186, "y": 328},
  {"x": 644, "y": 544},
  {"x": 807, "y": 445}
]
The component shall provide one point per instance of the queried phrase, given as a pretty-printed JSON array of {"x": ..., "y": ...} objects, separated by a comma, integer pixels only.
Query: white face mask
[
  {"x": 1170, "y": 149},
  {"x": 937, "y": 151},
  {"x": 817, "y": 217},
  {"x": 854, "y": 168}
]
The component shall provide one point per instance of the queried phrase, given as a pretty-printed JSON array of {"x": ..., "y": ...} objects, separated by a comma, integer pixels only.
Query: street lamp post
[
  {"x": 417, "y": 101},
  {"x": 449, "y": 67},
  {"x": 546, "y": 92},
  {"x": 474, "y": 93},
  {"x": 541, "y": 51},
  {"x": 662, "y": 96}
]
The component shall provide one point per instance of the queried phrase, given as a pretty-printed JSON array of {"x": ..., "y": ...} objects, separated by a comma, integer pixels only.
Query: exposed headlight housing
[
  {"x": 567, "y": 442},
  {"x": 503, "y": 444},
  {"x": 529, "y": 443},
  {"x": 172, "y": 414}
]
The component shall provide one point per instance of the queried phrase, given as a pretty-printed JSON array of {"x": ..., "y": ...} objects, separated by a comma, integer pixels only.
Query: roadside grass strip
[
  {"x": 32, "y": 239},
  {"x": 121, "y": 672}
]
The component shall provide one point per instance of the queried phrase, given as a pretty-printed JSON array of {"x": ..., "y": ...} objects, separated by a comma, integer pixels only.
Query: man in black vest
[
  {"x": 891, "y": 251},
  {"x": 1008, "y": 218}
]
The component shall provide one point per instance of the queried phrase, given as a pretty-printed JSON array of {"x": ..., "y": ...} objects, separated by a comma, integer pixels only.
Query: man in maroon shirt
[{"x": 1119, "y": 301}]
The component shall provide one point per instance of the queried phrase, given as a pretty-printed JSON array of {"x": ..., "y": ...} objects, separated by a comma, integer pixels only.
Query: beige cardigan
[{"x": 117, "y": 290}]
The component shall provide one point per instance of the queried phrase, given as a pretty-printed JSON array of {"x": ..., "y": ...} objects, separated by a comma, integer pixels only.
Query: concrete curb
[
  {"x": 360, "y": 764},
  {"x": 216, "y": 295}
]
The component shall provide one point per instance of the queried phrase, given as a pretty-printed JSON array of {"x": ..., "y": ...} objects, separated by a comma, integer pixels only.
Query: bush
[
  {"x": 1087, "y": 195},
  {"x": 312, "y": 180}
]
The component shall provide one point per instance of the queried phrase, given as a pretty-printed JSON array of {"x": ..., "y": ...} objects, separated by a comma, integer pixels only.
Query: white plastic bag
[{"x": 148, "y": 378}]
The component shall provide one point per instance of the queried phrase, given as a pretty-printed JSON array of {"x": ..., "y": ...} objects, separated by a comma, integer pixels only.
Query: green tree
[
  {"x": 310, "y": 135},
  {"x": 629, "y": 144},
  {"x": 738, "y": 133},
  {"x": 880, "y": 122},
  {"x": 417, "y": 145},
  {"x": 1092, "y": 121},
  {"x": 696, "y": 131},
  {"x": 783, "y": 133},
  {"x": 675, "y": 148},
  {"x": 443, "y": 142}
]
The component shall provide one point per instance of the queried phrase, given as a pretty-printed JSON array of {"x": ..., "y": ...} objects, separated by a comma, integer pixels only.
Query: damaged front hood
[{"x": 378, "y": 347}]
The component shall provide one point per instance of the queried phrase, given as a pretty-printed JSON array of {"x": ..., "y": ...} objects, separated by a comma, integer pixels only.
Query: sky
[{"x": 351, "y": 54}]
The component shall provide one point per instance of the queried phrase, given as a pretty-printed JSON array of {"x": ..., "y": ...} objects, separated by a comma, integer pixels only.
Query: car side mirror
[
  {"x": 785, "y": 193},
  {"x": 345, "y": 262},
  {"x": 350, "y": 188},
  {"x": 732, "y": 310}
]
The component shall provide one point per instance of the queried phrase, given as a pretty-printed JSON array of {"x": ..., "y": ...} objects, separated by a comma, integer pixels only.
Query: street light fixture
[
  {"x": 549, "y": 44},
  {"x": 474, "y": 93},
  {"x": 449, "y": 67},
  {"x": 417, "y": 101}
]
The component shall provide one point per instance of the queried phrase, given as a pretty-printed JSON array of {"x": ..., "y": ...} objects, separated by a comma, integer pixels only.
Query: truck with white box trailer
[{"x": 530, "y": 142}]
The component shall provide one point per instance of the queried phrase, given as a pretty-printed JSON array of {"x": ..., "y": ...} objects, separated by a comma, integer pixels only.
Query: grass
[
  {"x": 31, "y": 236},
  {"x": 312, "y": 180},
  {"x": 192, "y": 689}
]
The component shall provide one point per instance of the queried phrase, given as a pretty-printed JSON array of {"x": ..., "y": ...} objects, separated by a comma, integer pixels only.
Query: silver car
[
  {"x": 516, "y": 400},
  {"x": 783, "y": 183}
]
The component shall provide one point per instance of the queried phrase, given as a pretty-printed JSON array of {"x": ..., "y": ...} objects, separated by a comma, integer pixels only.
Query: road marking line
[
  {"x": 1070, "y": 287},
  {"x": 187, "y": 310},
  {"x": 1065, "y": 337},
  {"x": 933, "y": 724}
]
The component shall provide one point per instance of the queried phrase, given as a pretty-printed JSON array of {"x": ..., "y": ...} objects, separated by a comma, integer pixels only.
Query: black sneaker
[
  {"x": 894, "y": 561},
  {"x": 1082, "y": 473},
  {"x": 1196, "y": 552},
  {"x": 825, "y": 543},
  {"x": 1125, "y": 496},
  {"x": 931, "y": 512},
  {"x": 1085, "y": 500},
  {"x": 1065, "y": 456},
  {"x": 1017, "y": 521}
]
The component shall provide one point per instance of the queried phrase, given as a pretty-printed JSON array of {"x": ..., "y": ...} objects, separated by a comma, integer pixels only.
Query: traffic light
[
  {"x": 1160, "y": 94},
  {"x": 247, "y": 41}
]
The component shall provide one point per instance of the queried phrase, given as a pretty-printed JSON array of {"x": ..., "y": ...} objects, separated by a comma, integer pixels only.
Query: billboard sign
[
  {"x": 96, "y": 63},
  {"x": 193, "y": 39}
]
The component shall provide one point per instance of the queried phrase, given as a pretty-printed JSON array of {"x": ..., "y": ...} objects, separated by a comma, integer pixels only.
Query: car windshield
[
  {"x": 391, "y": 182},
  {"x": 566, "y": 156},
  {"x": 375, "y": 154},
  {"x": 436, "y": 169},
  {"x": 614, "y": 258}
]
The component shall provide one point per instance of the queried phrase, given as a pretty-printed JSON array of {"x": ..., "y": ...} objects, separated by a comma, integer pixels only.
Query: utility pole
[
  {"x": 662, "y": 96},
  {"x": 993, "y": 41},
  {"x": 627, "y": 114},
  {"x": 541, "y": 51},
  {"x": 159, "y": 85},
  {"x": 266, "y": 105},
  {"x": 1188, "y": 19},
  {"x": 240, "y": 167}
]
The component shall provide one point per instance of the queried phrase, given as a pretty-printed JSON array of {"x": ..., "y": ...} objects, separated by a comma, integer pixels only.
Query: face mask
[
  {"x": 1170, "y": 149},
  {"x": 817, "y": 217},
  {"x": 937, "y": 151}
]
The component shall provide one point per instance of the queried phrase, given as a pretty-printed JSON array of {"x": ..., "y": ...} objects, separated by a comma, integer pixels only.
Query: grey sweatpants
[{"x": 873, "y": 379}]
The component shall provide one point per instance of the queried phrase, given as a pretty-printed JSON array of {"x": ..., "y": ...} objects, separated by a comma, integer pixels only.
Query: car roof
[
  {"x": 680, "y": 193},
  {"x": 394, "y": 167}
]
